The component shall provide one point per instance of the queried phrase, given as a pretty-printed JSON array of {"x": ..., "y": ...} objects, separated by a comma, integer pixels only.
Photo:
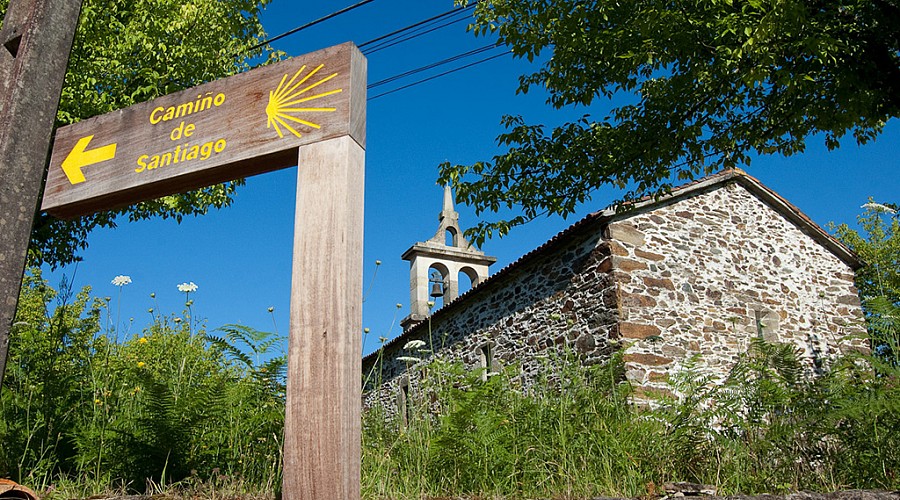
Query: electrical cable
[
  {"x": 432, "y": 65},
  {"x": 416, "y": 25},
  {"x": 413, "y": 35},
  {"x": 309, "y": 24},
  {"x": 385, "y": 41},
  {"x": 438, "y": 75}
]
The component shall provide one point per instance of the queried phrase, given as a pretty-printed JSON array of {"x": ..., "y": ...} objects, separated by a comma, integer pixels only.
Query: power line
[
  {"x": 309, "y": 24},
  {"x": 412, "y": 36},
  {"x": 386, "y": 42},
  {"x": 416, "y": 25},
  {"x": 438, "y": 75},
  {"x": 432, "y": 65}
]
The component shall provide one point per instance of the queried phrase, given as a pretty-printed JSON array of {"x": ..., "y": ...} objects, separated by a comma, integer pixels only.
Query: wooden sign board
[{"x": 239, "y": 126}]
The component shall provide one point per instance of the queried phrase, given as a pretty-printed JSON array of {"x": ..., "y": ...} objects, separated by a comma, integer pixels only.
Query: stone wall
[
  {"x": 696, "y": 277},
  {"x": 702, "y": 276},
  {"x": 564, "y": 297}
]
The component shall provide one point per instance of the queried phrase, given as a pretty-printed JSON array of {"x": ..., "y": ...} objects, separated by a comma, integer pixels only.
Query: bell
[{"x": 436, "y": 290}]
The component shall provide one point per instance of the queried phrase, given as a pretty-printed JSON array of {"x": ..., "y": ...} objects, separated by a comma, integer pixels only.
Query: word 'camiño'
[{"x": 161, "y": 114}]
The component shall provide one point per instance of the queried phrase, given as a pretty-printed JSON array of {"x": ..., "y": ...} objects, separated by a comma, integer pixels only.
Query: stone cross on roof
[{"x": 449, "y": 223}]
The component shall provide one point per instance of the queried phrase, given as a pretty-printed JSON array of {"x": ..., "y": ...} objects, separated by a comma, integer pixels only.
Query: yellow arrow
[{"x": 79, "y": 158}]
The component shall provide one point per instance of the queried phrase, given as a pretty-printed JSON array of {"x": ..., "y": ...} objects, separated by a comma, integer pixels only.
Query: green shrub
[{"x": 167, "y": 404}]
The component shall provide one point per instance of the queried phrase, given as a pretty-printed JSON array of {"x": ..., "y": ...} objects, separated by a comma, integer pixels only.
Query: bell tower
[{"x": 435, "y": 265}]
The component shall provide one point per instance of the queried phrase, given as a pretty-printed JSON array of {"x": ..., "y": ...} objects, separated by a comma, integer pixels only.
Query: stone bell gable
[{"x": 694, "y": 275}]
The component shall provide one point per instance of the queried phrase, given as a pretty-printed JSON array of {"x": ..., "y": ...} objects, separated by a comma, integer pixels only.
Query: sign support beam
[
  {"x": 322, "y": 443},
  {"x": 30, "y": 86}
]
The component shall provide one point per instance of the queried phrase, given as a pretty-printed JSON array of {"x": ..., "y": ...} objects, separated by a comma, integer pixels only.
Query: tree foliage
[
  {"x": 879, "y": 280},
  {"x": 129, "y": 51},
  {"x": 706, "y": 84}
]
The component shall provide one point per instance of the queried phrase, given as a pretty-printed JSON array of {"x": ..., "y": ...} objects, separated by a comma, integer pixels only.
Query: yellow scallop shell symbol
[{"x": 282, "y": 109}]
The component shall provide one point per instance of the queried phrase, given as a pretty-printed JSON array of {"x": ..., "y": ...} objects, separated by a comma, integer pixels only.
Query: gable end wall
[{"x": 693, "y": 276}]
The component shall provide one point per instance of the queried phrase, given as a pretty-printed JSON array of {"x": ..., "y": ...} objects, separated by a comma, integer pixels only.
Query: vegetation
[
  {"x": 698, "y": 86},
  {"x": 83, "y": 412},
  {"x": 879, "y": 280},
  {"x": 574, "y": 435},
  {"x": 129, "y": 51},
  {"x": 174, "y": 406}
]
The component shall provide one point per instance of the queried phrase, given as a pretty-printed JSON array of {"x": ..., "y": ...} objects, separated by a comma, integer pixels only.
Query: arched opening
[
  {"x": 767, "y": 324},
  {"x": 450, "y": 237},
  {"x": 487, "y": 360},
  {"x": 468, "y": 278},
  {"x": 438, "y": 284}
]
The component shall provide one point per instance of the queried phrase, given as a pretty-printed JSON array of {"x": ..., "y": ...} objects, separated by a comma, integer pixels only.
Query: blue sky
[{"x": 240, "y": 257}]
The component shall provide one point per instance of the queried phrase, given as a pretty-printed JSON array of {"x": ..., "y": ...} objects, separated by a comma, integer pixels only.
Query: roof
[{"x": 629, "y": 209}]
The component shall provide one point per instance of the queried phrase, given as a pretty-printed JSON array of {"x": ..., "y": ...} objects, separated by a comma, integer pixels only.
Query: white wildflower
[
  {"x": 414, "y": 344},
  {"x": 121, "y": 280},
  {"x": 408, "y": 359},
  {"x": 187, "y": 287},
  {"x": 878, "y": 207}
]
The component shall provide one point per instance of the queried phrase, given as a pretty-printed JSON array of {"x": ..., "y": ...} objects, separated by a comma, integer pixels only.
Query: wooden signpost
[
  {"x": 227, "y": 129},
  {"x": 308, "y": 111}
]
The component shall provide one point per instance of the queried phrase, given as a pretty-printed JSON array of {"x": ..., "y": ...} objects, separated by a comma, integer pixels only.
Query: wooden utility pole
[{"x": 36, "y": 40}]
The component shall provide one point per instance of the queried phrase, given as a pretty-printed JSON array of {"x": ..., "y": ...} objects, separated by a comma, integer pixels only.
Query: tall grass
[
  {"x": 168, "y": 404},
  {"x": 84, "y": 412},
  {"x": 576, "y": 433}
]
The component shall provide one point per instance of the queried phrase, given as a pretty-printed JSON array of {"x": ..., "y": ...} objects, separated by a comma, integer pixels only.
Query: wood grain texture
[
  {"x": 30, "y": 85},
  {"x": 250, "y": 145},
  {"x": 322, "y": 426}
]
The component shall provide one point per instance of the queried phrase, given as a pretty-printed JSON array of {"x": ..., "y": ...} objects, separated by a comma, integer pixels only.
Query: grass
[
  {"x": 575, "y": 433},
  {"x": 179, "y": 411}
]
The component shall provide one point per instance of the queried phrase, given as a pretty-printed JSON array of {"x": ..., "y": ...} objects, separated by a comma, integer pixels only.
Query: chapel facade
[{"x": 691, "y": 277}]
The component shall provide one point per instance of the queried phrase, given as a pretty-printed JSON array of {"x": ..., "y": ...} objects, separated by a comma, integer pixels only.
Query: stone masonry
[
  {"x": 564, "y": 296},
  {"x": 701, "y": 276},
  {"x": 695, "y": 275}
]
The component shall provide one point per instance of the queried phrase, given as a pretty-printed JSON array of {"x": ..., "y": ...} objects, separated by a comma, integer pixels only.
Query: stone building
[{"x": 695, "y": 274}]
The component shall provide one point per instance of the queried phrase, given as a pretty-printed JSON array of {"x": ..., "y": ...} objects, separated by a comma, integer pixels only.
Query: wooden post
[
  {"x": 35, "y": 42},
  {"x": 322, "y": 425}
]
